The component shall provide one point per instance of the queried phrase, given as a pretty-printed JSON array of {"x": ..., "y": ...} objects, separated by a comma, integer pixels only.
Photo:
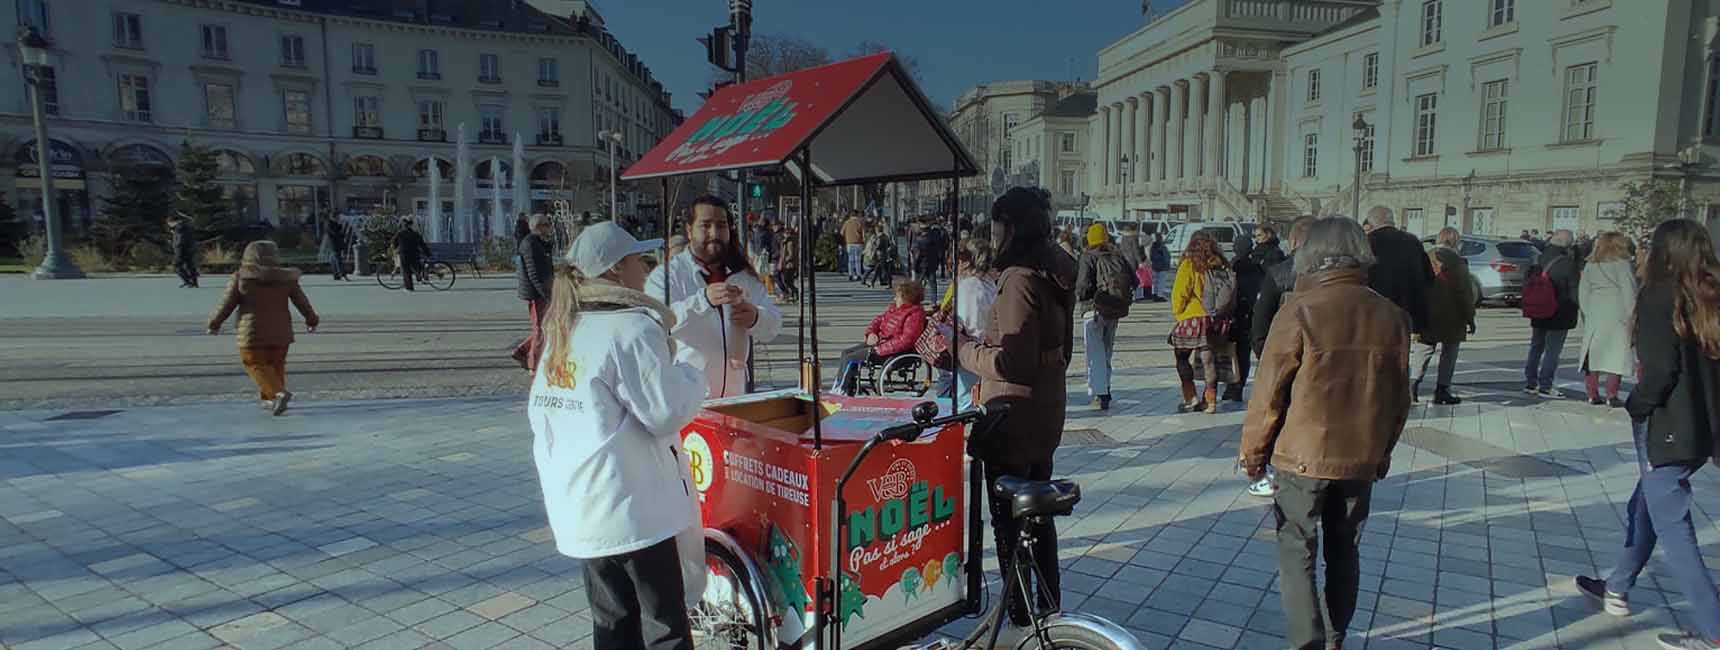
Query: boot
[
  {"x": 1415, "y": 392},
  {"x": 1442, "y": 396},
  {"x": 1188, "y": 403},
  {"x": 1103, "y": 402},
  {"x": 1210, "y": 399}
]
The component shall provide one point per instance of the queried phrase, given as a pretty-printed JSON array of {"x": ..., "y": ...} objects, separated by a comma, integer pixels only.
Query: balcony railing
[
  {"x": 549, "y": 139},
  {"x": 433, "y": 135},
  {"x": 549, "y": 83},
  {"x": 367, "y": 132},
  {"x": 430, "y": 76}
]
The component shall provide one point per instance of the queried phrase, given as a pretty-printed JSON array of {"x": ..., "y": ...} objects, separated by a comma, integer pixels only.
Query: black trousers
[
  {"x": 848, "y": 381},
  {"x": 185, "y": 266},
  {"x": 1304, "y": 507},
  {"x": 1007, "y": 531},
  {"x": 409, "y": 268},
  {"x": 638, "y": 601}
]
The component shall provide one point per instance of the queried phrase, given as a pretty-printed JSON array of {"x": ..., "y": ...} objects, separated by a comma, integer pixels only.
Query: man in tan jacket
[
  {"x": 854, "y": 239},
  {"x": 1329, "y": 405}
]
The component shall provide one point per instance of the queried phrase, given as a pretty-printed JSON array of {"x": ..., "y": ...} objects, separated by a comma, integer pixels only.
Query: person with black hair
[
  {"x": 719, "y": 301},
  {"x": 409, "y": 246},
  {"x": 1022, "y": 362}
]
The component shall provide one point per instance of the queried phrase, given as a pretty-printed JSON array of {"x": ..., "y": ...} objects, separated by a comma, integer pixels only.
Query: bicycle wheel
[
  {"x": 389, "y": 277},
  {"x": 1071, "y": 631},
  {"x": 439, "y": 275},
  {"x": 729, "y": 615}
]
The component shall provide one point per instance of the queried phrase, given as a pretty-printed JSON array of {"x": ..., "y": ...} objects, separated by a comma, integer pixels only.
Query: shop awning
[{"x": 862, "y": 120}]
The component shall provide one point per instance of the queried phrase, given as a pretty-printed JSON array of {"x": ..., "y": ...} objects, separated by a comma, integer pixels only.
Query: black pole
[
  {"x": 666, "y": 230},
  {"x": 955, "y": 290},
  {"x": 809, "y": 298}
]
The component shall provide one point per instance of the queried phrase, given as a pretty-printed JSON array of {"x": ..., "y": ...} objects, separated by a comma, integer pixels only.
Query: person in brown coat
[
  {"x": 1328, "y": 407},
  {"x": 260, "y": 291},
  {"x": 1022, "y": 363}
]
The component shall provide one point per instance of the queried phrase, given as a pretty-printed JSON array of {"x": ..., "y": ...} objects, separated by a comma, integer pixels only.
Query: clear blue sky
[{"x": 959, "y": 43}]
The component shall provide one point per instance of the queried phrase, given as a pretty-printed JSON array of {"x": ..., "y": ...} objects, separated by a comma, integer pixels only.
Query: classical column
[
  {"x": 1104, "y": 148},
  {"x": 1179, "y": 128},
  {"x": 1128, "y": 148},
  {"x": 1118, "y": 148},
  {"x": 1162, "y": 155},
  {"x": 1145, "y": 164},
  {"x": 1275, "y": 118},
  {"x": 1199, "y": 86},
  {"x": 1216, "y": 103}
]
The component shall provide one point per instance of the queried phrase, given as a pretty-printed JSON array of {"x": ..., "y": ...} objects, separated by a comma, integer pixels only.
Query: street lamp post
[
  {"x": 37, "y": 58},
  {"x": 610, "y": 139},
  {"x": 1360, "y": 126}
]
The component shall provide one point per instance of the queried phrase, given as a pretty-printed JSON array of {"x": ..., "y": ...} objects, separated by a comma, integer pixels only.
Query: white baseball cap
[{"x": 601, "y": 246}]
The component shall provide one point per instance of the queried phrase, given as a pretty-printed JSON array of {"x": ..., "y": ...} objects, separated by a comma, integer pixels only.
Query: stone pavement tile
[
  {"x": 450, "y": 624},
  {"x": 373, "y": 627},
  {"x": 59, "y": 638},
  {"x": 154, "y": 633},
  {"x": 1222, "y": 612},
  {"x": 1210, "y": 634},
  {"x": 487, "y": 635},
  {"x": 1158, "y": 621},
  {"x": 423, "y": 610},
  {"x": 533, "y": 618}
]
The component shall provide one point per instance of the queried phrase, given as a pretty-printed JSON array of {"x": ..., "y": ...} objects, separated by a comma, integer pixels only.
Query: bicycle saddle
[{"x": 1037, "y": 498}]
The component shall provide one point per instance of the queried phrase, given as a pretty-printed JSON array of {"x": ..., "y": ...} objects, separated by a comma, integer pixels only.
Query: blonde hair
[
  {"x": 558, "y": 370},
  {"x": 1449, "y": 237},
  {"x": 1610, "y": 246}
]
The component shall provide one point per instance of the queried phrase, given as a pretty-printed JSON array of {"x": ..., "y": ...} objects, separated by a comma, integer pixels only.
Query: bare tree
[{"x": 909, "y": 62}]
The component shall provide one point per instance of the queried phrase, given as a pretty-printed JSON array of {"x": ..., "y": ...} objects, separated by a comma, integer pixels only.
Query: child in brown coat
[{"x": 260, "y": 291}]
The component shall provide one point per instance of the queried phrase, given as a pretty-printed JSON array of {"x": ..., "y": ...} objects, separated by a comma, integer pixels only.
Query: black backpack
[{"x": 1114, "y": 285}]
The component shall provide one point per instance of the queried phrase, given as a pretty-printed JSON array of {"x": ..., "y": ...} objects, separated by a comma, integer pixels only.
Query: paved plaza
[{"x": 418, "y": 524}]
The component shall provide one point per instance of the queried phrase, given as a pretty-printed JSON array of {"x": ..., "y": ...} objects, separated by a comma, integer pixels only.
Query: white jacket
[
  {"x": 608, "y": 447},
  {"x": 708, "y": 329}
]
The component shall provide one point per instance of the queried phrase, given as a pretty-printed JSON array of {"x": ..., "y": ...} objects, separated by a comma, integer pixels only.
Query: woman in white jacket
[
  {"x": 607, "y": 407},
  {"x": 1606, "y": 294}
]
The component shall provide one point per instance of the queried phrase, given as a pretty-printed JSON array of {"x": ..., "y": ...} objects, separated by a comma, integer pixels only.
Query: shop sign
[{"x": 65, "y": 161}]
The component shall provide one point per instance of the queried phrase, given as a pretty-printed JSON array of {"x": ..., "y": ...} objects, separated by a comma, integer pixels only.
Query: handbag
[{"x": 932, "y": 345}]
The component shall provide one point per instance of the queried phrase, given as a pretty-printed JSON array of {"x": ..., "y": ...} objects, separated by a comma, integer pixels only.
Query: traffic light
[
  {"x": 719, "y": 48},
  {"x": 755, "y": 190}
]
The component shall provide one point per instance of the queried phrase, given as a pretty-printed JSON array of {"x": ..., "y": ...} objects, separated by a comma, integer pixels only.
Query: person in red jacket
[{"x": 893, "y": 332}]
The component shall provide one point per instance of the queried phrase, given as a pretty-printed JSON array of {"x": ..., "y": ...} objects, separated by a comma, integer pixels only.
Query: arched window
[
  {"x": 302, "y": 164},
  {"x": 421, "y": 169},
  {"x": 550, "y": 174},
  {"x": 485, "y": 175},
  {"x": 366, "y": 166},
  {"x": 140, "y": 154},
  {"x": 231, "y": 164}
]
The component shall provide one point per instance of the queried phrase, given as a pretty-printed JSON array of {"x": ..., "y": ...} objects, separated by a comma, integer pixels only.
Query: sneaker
[
  {"x": 1686, "y": 642},
  {"x": 1595, "y": 400},
  {"x": 281, "y": 400},
  {"x": 1532, "y": 389},
  {"x": 1191, "y": 406},
  {"x": 1596, "y": 589},
  {"x": 1551, "y": 393},
  {"x": 1263, "y": 488},
  {"x": 1445, "y": 398},
  {"x": 1103, "y": 402},
  {"x": 1615, "y": 402}
]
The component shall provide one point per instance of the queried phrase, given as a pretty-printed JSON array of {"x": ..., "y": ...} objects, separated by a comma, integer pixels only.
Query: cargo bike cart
[{"x": 832, "y": 521}]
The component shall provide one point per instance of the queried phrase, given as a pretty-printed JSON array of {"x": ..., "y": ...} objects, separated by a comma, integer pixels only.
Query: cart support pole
[
  {"x": 667, "y": 225},
  {"x": 810, "y": 297}
]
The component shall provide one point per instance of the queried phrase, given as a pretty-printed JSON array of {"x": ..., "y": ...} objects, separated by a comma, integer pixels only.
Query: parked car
[
  {"x": 1225, "y": 232},
  {"x": 1498, "y": 265}
]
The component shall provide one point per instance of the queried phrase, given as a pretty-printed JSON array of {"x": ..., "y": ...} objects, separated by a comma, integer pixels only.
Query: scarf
[
  {"x": 1338, "y": 262},
  {"x": 600, "y": 292}
]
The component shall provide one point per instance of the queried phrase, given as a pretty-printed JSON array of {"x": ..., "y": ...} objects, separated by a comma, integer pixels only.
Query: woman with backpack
[
  {"x": 1606, "y": 296},
  {"x": 1675, "y": 419},
  {"x": 1105, "y": 286},
  {"x": 1202, "y": 299}
]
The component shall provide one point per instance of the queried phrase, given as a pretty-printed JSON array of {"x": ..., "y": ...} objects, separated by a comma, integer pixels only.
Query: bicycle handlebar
[{"x": 911, "y": 431}]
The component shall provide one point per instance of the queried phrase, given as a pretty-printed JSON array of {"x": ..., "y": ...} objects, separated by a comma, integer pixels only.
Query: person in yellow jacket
[{"x": 1201, "y": 299}]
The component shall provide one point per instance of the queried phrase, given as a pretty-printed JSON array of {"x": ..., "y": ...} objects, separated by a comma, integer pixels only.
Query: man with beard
[{"x": 719, "y": 302}]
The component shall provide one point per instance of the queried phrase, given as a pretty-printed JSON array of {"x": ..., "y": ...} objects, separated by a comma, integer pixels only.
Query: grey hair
[
  {"x": 1561, "y": 238},
  {"x": 1333, "y": 238},
  {"x": 1380, "y": 216}
]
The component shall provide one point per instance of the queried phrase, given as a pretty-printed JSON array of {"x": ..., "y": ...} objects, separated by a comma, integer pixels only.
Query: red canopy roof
[{"x": 863, "y": 120}]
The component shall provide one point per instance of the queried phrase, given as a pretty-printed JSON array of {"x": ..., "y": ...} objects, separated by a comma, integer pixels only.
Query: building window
[
  {"x": 48, "y": 84},
  {"x": 34, "y": 13},
  {"x": 1504, "y": 11},
  {"x": 1066, "y": 142},
  {"x": 1567, "y": 218},
  {"x": 215, "y": 42},
  {"x": 1313, "y": 86},
  {"x": 429, "y": 65},
  {"x": 1415, "y": 219},
  {"x": 549, "y": 72},
  {"x": 1493, "y": 101},
  {"x": 549, "y": 125},
  {"x": 134, "y": 97},
  {"x": 128, "y": 31},
  {"x": 1066, "y": 184},
  {"x": 491, "y": 127},
  {"x": 429, "y": 113},
  {"x": 1711, "y": 121},
  {"x": 222, "y": 111},
  {"x": 489, "y": 68},
  {"x": 1580, "y": 102},
  {"x": 1432, "y": 17},
  {"x": 293, "y": 51},
  {"x": 1368, "y": 149},
  {"x": 363, "y": 58},
  {"x": 1371, "y": 71},
  {"x": 367, "y": 111},
  {"x": 1426, "y": 122},
  {"x": 1310, "y": 155},
  {"x": 296, "y": 104}
]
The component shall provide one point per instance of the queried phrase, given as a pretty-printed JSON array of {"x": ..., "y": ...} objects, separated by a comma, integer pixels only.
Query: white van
[{"x": 1225, "y": 233}]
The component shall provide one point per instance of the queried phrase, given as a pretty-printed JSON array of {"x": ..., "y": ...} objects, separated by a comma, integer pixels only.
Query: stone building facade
[
  {"x": 1050, "y": 149},
  {"x": 983, "y": 118},
  {"x": 328, "y": 106}
]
